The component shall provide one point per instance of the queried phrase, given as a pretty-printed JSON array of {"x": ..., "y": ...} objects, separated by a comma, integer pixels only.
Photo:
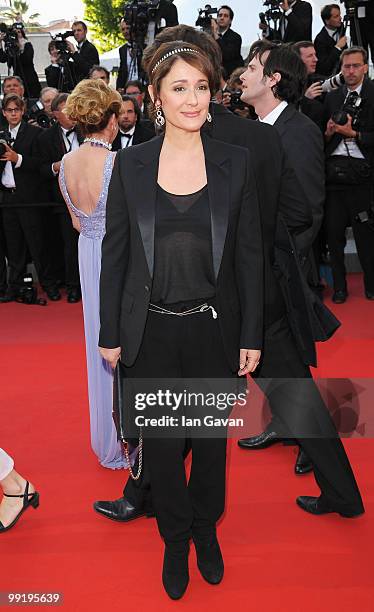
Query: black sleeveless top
[{"x": 183, "y": 248}]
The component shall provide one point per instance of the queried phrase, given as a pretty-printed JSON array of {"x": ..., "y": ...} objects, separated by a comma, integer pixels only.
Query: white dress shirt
[
  {"x": 7, "y": 177},
  {"x": 132, "y": 65},
  {"x": 353, "y": 148},
  {"x": 127, "y": 142},
  {"x": 274, "y": 114}
]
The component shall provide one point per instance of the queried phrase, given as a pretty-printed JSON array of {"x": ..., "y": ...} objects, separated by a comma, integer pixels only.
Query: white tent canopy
[{"x": 110, "y": 59}]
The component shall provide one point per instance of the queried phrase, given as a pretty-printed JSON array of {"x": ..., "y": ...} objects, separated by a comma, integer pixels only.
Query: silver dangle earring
[
  {"x": 160, "y": 119},
  {"x": 209, "y": 118}
]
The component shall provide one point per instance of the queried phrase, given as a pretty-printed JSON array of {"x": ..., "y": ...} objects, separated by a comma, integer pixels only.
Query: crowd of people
[{"x": 197, "y": 249}]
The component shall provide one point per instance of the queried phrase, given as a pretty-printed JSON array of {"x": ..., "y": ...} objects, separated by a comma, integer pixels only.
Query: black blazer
[
  {"x": 287, "y": 230},
  {"x": 62, "y": 81},
  {"x": 231, "y": 44},
  {"x": 298, "y": 24},
  {"x": 52, "y": 148},
  {"x": 29, "y": 188},
  {"x": 144, "y": 131},
  {"x": 334, "y": 101},
  {"x": 84, "y": 60},
  {"x": 327, "y": 53},
  {"x": 128, "y": 247},
  {"x": 23, "y": 66},
  {"x": 303, "y": 144}
]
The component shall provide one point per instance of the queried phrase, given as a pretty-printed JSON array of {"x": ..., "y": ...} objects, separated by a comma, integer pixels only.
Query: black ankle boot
[
  {"x": 209, "y": 557},
  {"x": 175, "y": 576}
]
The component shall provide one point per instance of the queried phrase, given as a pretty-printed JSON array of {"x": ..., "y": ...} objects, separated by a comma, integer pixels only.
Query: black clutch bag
[{"x": 121, "y": 418}]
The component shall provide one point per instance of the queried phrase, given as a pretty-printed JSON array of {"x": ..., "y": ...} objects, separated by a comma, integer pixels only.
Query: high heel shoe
[
  {"x": 29, "y": 499},
  {"x": 175, "y": 576}
]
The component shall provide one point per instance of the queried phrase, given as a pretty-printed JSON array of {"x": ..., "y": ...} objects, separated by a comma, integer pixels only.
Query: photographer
[
  {"x": 53, "y": 144},
  {"x": 330, "y": 41},
  {"x": 130, "y": 61},
  {"x": 86, "y": 55},
  {"x": 295, "y": 23},
  {"x": 231, "y": 97},
  {"x": 229, "y": 41},
  {"x": 311, "y": 103},
  {"x": 18, "y": 53},
  {"x": 57, "y": 74},
  {"x": 21, "y": 191},
  {"x": 349, "y": 112}
]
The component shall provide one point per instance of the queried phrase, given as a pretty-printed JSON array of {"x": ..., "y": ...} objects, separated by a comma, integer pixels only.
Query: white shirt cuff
[
  {"x": 288, "y": 12},
  {"x": 19, "y": 160}
]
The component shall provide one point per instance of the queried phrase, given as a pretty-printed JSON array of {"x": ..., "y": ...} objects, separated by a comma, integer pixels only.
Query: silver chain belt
[{"x": 203, "y": 308}]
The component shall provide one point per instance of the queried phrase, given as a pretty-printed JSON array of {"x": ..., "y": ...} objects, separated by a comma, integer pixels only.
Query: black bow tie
[
  {"x": 72, "y": 131},
  {"x": 126, "y": 135}
]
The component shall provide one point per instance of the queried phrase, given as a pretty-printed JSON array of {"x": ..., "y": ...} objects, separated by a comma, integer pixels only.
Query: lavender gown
[{"x": 99, "y": 373}]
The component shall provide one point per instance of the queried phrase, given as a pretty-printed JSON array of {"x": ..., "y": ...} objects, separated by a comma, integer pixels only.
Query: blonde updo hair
[{"x": 91, "y": 104}]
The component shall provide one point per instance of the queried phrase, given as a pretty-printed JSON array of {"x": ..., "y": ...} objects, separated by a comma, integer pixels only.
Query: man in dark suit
[
  {"x": 279, "y": 194},
  {"x": 53, "y": 144},
  {"x": 330, "y": 41},
  {"x": 311, "y": 103},
  {"x": 58, "y": 73},
  {"x": 295, "y": 23},
  {"x": 132, "y": 130},
  {"x": 86, "y": 55},
  {"x": 350, "y": 163},
  {"x": 21, "y": 191},
  {"x": 230, "y": 42}
]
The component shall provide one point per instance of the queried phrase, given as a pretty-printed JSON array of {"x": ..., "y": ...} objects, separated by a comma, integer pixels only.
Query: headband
[{"x": 174, "y": 52}]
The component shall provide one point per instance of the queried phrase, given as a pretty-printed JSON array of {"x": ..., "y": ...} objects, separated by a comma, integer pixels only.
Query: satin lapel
[
  {"x": 145, "y": 193},
  {"x": 218, "y": 175}
]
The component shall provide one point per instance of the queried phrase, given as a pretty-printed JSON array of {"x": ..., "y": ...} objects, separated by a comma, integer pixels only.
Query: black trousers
[
  {"x": 62, "y": 246},
  {"x": 297, "y": 408},
  {"x": 342, "y": 206},
  {"x": 182, "y": 347},
  {"x": 23, "y": 228},
  {"x": 3, "y": 268}
]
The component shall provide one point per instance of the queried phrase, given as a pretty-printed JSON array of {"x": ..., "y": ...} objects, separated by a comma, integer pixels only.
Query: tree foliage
[
  {"x": 103, "y": 17},
  {"x": 18, "y": 13}
]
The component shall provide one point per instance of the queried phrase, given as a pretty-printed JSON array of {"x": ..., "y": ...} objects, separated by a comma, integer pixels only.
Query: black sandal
[{"x": 27, "y": 501}]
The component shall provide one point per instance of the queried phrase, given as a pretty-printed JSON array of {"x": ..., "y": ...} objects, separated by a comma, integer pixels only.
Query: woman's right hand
[{"x": 111, "y": 355}]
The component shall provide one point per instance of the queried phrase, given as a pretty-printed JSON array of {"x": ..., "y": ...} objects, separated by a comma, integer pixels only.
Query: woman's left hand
[{"x": 248, "y": 360}]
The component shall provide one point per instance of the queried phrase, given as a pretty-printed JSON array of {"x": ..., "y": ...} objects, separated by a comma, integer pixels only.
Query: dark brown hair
[
  {"x": 352, "y": 50},
  {"x": 11, "y": 97}
]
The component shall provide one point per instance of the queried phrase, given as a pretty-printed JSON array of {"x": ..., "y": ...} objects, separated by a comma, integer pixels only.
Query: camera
[
  {"x": 332, "y": 83},
  {"x": 5, "y": 139},
  {"x": 366, "y": 216},
  {"x": 28, "y": 293},
  {"x": 274, "y": 11},
  {"x": 11, "y": 37},
  {"x": 205, "y": 16},
  {"x": 38, "y": 114},
  {"x": 60, "y": 41},
  {"x": 236, "y": 103},
  {"x": 138, "y": 14},
  {"x": 352, "y": 106}
]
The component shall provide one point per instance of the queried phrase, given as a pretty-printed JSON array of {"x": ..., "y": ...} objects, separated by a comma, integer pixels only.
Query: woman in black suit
[{"x": 183, "y": 238}]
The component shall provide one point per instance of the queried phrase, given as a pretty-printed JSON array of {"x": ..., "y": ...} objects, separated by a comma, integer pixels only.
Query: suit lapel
[
  {"x": 145, "y": 192},
  {"x": 218, "y": 175}
]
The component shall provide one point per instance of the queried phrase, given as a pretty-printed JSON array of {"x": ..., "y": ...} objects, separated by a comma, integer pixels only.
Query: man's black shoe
[
  {"x": 53, "y": 293},
  {"x": 313, "y": 506},
  {"x": 303, "y": 464},
  {"x": 74, "y": 296},
  {"x": 369, "y": 295},
  {"x": 263, "y": 440},
  {"x": 119, "y": 510},
  {"x": 7, "y": 296},
  {"x": 209, "y": 558},
  {"x": 340, "y": 296},
  {"x": 175, "y": 575}
]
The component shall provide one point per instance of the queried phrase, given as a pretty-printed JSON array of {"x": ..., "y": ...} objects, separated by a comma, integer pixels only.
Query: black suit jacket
[
  {"x": 335, "y": 100},
  {"x": 298, "y": 24},
  {"x": 29, "y": 188},
  {"x": 144, "y": 131},
  {"x": 286, "y": 218},
  {"x": 23, "y": 66},
  {"x": 128, "y": 247},
  {"x": 231, "y": 44},
  {"x": 327, "y": 53},
  {"x": 63, "y": 81},
  {"x": 123, "y": 73},
  {"x": 84, "y": 60},
  {"x": 52, "y": 148}
]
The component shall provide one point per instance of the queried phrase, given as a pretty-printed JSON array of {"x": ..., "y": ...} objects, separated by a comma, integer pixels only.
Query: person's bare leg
[{"x": 13, "y": 484}]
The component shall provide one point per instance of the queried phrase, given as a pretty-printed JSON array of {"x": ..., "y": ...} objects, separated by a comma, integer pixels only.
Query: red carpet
[{"x": 277, "y": 557}]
